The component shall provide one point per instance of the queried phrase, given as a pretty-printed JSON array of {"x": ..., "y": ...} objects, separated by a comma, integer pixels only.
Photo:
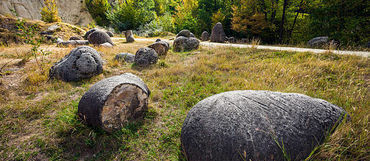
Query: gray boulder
[
  {"x": 127, "y": 57},
  {"x": 182, "y": 44},
  {"x": 205, "y": 36},
  {"x": 110, "y": 33},
  {"x": 129, "y": 36},
  {"x": 99, "y": 37},
  {"x": 113, "y": 102},
  {"x": 145, "y": 57},
  {"x": 218, "y": 34},
  {"x": 89, "y": 32},
  {"x": 53, "y": 28},
  {"x": 81, "y": 63},
  {"x": 185, "y": 33},
  {"x": 160, "y": 47},
  {"x": 253, "y": 125},
  {"x": 318, "y": 41},
  {"x": 59, "y": 40}
]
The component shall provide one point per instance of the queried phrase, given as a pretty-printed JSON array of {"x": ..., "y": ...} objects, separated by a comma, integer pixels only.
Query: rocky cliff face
[{"x": 71, "y": 11}]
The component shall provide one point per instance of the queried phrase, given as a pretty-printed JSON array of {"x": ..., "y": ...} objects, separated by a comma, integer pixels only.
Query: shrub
[
  {"x": 98, "y": 10},
  {"x": 49, "y": 13}
]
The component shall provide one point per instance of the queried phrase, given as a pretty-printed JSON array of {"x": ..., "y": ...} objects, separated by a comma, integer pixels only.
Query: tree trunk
[
  {"x": 282, "y": 22},
  {"x": 295, "y": 20}
]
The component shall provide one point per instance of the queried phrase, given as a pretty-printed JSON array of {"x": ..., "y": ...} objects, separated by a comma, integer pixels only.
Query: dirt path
[{"x": 266, "y": 47}]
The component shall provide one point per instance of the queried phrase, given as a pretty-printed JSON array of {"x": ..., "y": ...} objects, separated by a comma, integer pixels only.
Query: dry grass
[{"x": 38, "y": 117}]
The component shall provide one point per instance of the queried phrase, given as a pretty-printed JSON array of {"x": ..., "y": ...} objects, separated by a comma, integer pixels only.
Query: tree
[
  {"x": 98, "y": 10},
  {"x": 49, "y": 13}
]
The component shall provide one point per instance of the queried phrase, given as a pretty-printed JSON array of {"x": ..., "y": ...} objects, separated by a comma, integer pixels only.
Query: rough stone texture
[
  {"x": 318, "y": 41},
  {"x": 158, "y": 40},
  {"x": 115, "y": 101},
  {"x": 218, "y": 34},
  {"x": 244, "y": 125},
  {"x": 99, "y": 37},
  {"x": 74, "y": 42},
  {"x": 89, "y": 32},
  {"x": 59, "y": 40},
  {"x": 74, "y": 38},
  {"x": 161, "y": 47},
  {"x": 185, "y": 44},
  {"x": 145, "y": 57},
  {"x": 127, "y": 57},
  {"x": 110, "y": 34},
  {"x": 129, "y": 36},
  {"x": 205, "y": 36},
  {"x": 71, "y": 11},
  {"x": 81, "y": 63}
]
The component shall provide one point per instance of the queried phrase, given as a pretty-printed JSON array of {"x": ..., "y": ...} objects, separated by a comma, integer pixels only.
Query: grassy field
[{"x": 38, "y": 116}]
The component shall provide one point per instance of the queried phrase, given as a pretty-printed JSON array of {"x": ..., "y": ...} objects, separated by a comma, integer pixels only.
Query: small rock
[
  {"x": 318, "y": 41},
  {"x": 81, "y": 63},
  {"x": 182, "y": 44},
  {"x": 74, "y": 38},
  {"x": 107, "y": 45},
  {"x": 145, "y": 57},
  {"x": 161, "y": 47},
  {"x": 127, "y": 57},
  {"x": 99, "y": 37},
  {"x": 218, "y": 34},
  {"x": 74, "y": 42},
  {"x": 129, "y": 36},
  {"x": 59, "y": 40},
  {"x": 46, "y": 33},
  {"x": 205, "y": 36},
  {"x": 53, "y": 28}
]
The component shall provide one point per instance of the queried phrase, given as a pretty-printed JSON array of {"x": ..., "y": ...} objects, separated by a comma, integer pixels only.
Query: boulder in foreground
[
  {"x": 81, "y": 63},
  {"x": 145, "y": 57},
  {"x": 113, "y": 102},
  {"x": 254, "y": 125}
]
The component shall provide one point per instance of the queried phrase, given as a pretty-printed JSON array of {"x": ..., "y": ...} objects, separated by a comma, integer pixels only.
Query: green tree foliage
[
  {"x": 345, "y": 20},
  {"x": 211, "y": 10},
  {"x": 186, "y": 16},
  {"x": 49, "y": 13},
  {"x": 131, "y": 14},
  {"x": 98, "y": 10}
]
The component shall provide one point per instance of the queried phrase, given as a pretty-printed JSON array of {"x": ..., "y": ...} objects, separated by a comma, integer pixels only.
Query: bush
[
  {"x": 98, "y": 10},
  {"x": 49, "y": 13}
]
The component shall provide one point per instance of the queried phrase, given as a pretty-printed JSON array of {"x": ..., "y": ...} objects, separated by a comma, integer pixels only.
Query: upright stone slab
[
  {"x": 81, "y": 63},
  {"x": 129, "y": 36},
  {"x": 253, "y": 125},
  {"x": 205, "y": 36},
  {"x": 218, "y": 34},
  {"x": 113, "y": 102}
]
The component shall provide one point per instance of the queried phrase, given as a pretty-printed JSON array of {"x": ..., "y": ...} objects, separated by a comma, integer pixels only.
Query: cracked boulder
[
  {"x": 161, "y": 47},
  {"x": 99, "y": 37},
  {"x": 145, "y": 57},
  {"x": 255, "y": 125},
  {"x": 113, "y": 102},
  {"x": 81, "y": 63}
]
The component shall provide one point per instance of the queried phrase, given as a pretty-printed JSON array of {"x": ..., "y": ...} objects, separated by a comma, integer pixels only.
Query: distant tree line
[{"x": 273, "y": 21}]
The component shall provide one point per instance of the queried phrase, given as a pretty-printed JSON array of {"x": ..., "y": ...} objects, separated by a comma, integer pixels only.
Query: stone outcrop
[
  {"x": 255, "y": 125},
  {"x": 218, "y": 33},
  {"x": 113, "y": 102},
  {"x": 145, "y": 57},
  {"x": 71, "y": 11},
  {"x": 81, "y": 63}
]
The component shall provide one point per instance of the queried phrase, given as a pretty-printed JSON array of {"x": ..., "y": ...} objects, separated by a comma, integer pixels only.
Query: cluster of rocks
[
  {"x": 185, "y": 41},
  {"x": 322, "y": 41},
  {"x": 147, "y": 55},
  {"x": 217, "y": 35}
]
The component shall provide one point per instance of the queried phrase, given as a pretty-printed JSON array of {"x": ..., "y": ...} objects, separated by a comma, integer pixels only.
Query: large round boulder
[
  {"x": 161, "y": 47},
  {"x": 145, "y": 57},
  {"x": 113, "y": 102},
  {"x": 99, "y": 37},
  {"x": 257, "y": 125},
  {"x": 205, "y": 36},
  {"x": 218, "y": 34},
  {"x": 182, "y": 44},
  {"x": 81, "y": 63},
  {"x": 185, "y": 33},
  {"x": 89, "y": 32}
]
